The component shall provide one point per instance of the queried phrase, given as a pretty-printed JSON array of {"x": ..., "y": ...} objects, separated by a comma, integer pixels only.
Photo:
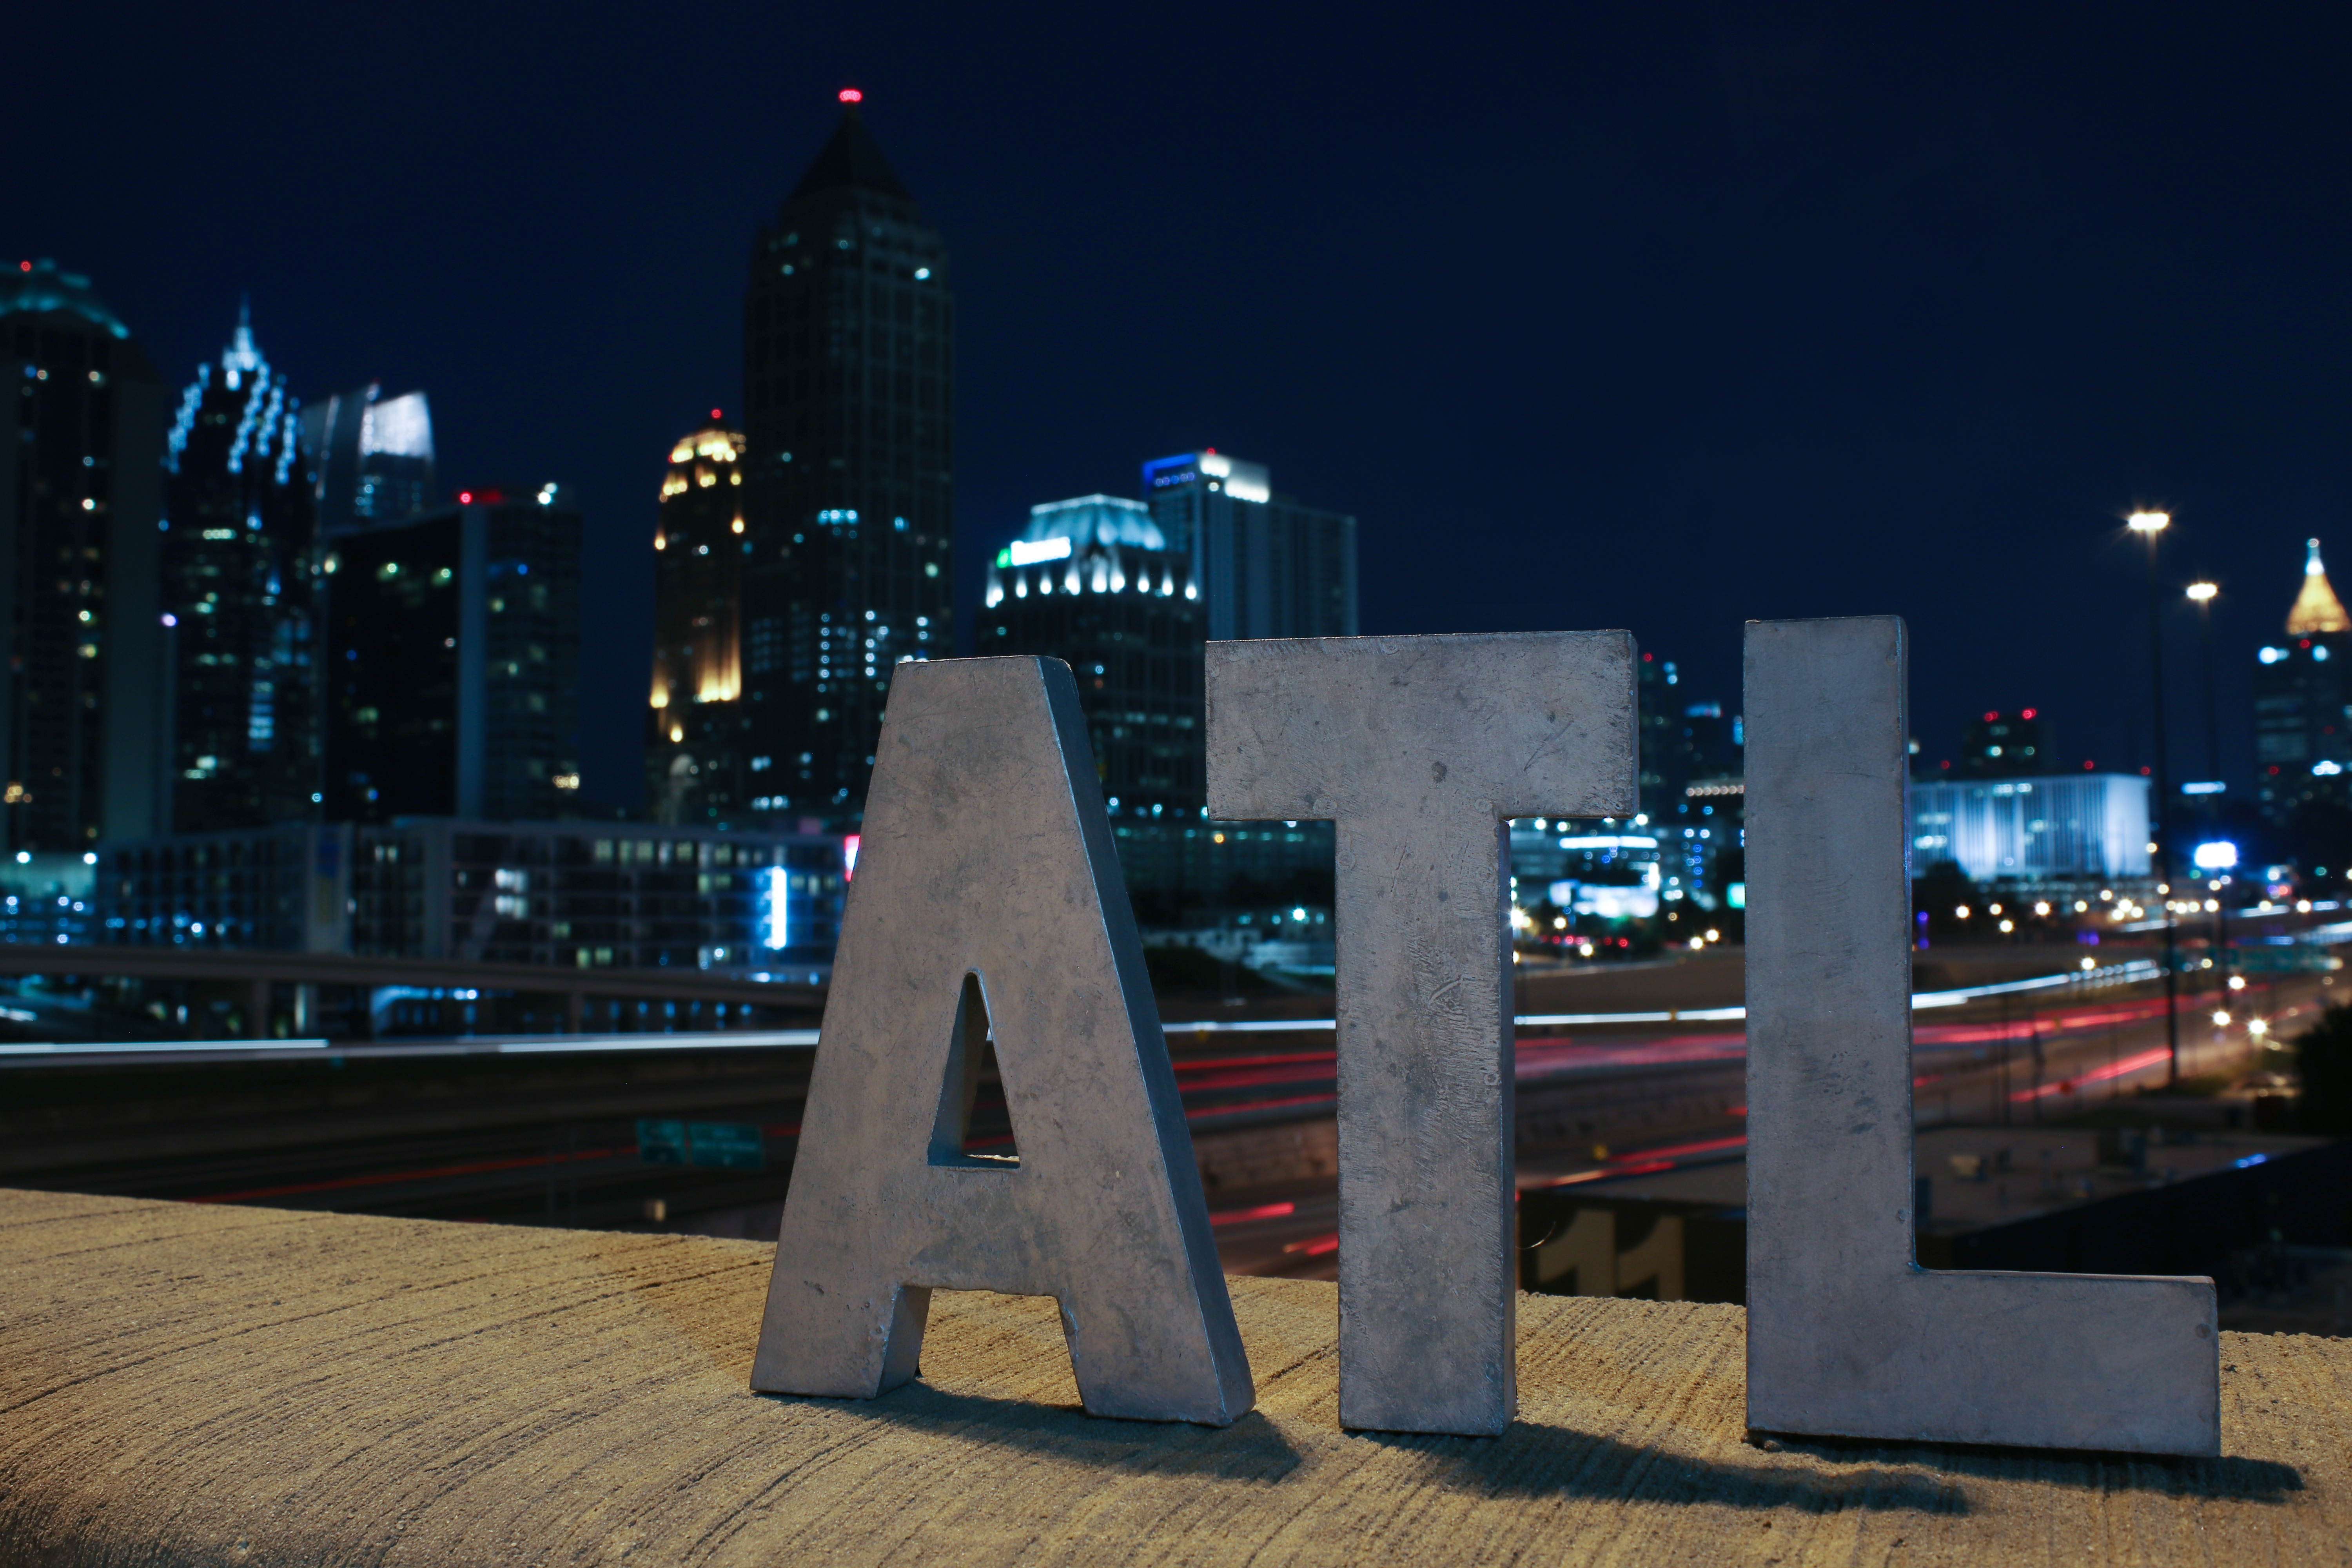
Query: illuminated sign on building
[
  {"x": 1170, "y": 472},
  {"x": 1029, "y": 552},
  {"x": 2219, "y": 856},
  {"x": 775, "y": 918}
]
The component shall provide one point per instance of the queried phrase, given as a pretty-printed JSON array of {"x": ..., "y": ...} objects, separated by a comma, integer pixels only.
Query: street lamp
[
  {"x": 2201, "y": 594},
  {"x": 2151, "y": 526}
]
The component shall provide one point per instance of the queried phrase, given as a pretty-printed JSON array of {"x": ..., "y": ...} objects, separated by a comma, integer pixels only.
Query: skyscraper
[
  {"x": 2303, "y": 723},
  {"x": 1092, "y": 581},
  {"x": 81, "y": 711},
  {"x": 696, "y": 763},
  {"x": 453, "y": 661},
  {"x": 1268, "y": 566},
  {"x": 372, "y": 455},
  {"x": 1098, "y": 583},
  {"x": 238, "y": 529},
  {"x": 848, "y": 470}
]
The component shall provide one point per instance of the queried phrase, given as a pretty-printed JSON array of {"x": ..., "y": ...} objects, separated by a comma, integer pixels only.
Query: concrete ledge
[{"x": 183, "y": 1385}]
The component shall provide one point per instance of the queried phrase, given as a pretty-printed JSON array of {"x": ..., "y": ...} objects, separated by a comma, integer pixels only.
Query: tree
[
  {"x": 1941, "y": 890},
  {"x": 2323, "y": 1059}
]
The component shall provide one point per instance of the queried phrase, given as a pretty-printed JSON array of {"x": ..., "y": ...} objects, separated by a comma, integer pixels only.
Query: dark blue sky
[{"x": 1664, "y": 317}]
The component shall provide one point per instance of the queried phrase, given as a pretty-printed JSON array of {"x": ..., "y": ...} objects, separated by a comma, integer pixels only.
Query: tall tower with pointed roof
[
  {"x": 2316, "y": 608},
  {"x": 848, "y": 482},
  {"x": 239, "y": 527},
  {"x": 2303, "y": 725},
  {"x": 694, "y": 759}
]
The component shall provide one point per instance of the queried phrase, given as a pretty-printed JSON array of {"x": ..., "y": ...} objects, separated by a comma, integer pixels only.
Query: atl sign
[{"x": 987, "y": 908}]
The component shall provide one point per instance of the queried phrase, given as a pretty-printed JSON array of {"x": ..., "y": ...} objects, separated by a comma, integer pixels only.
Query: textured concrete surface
[{"x": 186, "y": 1384}]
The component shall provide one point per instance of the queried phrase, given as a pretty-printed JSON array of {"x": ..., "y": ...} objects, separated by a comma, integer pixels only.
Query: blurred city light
[{"x": 2218, "y": 855}]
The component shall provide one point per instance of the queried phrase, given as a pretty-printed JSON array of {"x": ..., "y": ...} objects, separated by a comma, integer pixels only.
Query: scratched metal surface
[
  {"x": 988, "y": 891},
  {"x": 1846, "y": 1335},
  {"x": 1420, "y": 749}
]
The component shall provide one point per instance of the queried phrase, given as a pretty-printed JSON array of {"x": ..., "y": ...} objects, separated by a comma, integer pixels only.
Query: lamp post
[
  {"x": 2151, "y": 526},
  {"x": 2201, "y": 594}
]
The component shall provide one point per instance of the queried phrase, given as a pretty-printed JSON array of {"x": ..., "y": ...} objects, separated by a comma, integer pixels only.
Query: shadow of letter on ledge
[
  {"x": 988, "y": 904},
  {"x": 1847, "y": 1335}
]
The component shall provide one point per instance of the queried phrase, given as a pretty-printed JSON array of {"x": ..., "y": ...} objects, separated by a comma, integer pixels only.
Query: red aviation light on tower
[
  {"x": 714, "y": 413},
  {"x": 851, "y": 95}
]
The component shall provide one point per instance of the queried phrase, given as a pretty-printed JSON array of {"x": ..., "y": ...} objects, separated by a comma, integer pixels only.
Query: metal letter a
[{"x": 988, "y": 890}]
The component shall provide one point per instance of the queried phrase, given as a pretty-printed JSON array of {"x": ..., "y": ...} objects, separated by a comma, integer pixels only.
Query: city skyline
[{"x": 1770, "y": 374}]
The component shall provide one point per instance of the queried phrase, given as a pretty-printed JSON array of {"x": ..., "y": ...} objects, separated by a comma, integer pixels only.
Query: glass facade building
[
  {"x": 1268, "y": 566},
  {"x": 83, "y": 717},
  {"x": 2062, "y": 828},
  {"x": 239, "y": 565},
  {"x": 570, "y": 894},
  {"x": 373, "y": 455},
  {"x": 452, "y": 657},
  {"x": 848, "y": 473}
]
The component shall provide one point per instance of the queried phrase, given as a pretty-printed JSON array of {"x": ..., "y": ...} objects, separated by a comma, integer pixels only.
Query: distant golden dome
[{"x": 2316, "y": 608}]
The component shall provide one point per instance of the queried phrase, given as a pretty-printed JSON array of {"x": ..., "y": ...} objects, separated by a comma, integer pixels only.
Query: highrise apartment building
[
  {"x": 847, "y": 472},
  {"x": 1268, "y": 566},
  {"x": 81, "y": 696},
  {"x": 239, "y": 527},
  {"x": 452, "y": 661},
  {"x": 697, "y": 764}
]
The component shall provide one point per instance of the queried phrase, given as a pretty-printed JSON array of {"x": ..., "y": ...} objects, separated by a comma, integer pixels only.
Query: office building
[
  {"x": 696, "y": 765},
  {"x": 82, "y": 710},
  {"x": 2303, "y": 724},
  {"x": 1093, "y": 582},
  {"x": 1268, "y": 566},
  {"x": 2004, "y": 745},
  {"x": 567, "y": 894},
  {"x": 1096, "y": 583},
  {"x": 848, "y": 471},
  {"x": 1679, "y": 738},
  {"x": 238, "y": 596},
  {"x": 46, "y": 898},
  {"x": 372, "y": 455},
  {"x": 451, "y": 656},
  {"x": 2062, "y": 828}
]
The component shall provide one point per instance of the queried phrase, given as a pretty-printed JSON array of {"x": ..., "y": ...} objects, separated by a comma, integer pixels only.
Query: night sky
[{"x": 1656, "y": 317}]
